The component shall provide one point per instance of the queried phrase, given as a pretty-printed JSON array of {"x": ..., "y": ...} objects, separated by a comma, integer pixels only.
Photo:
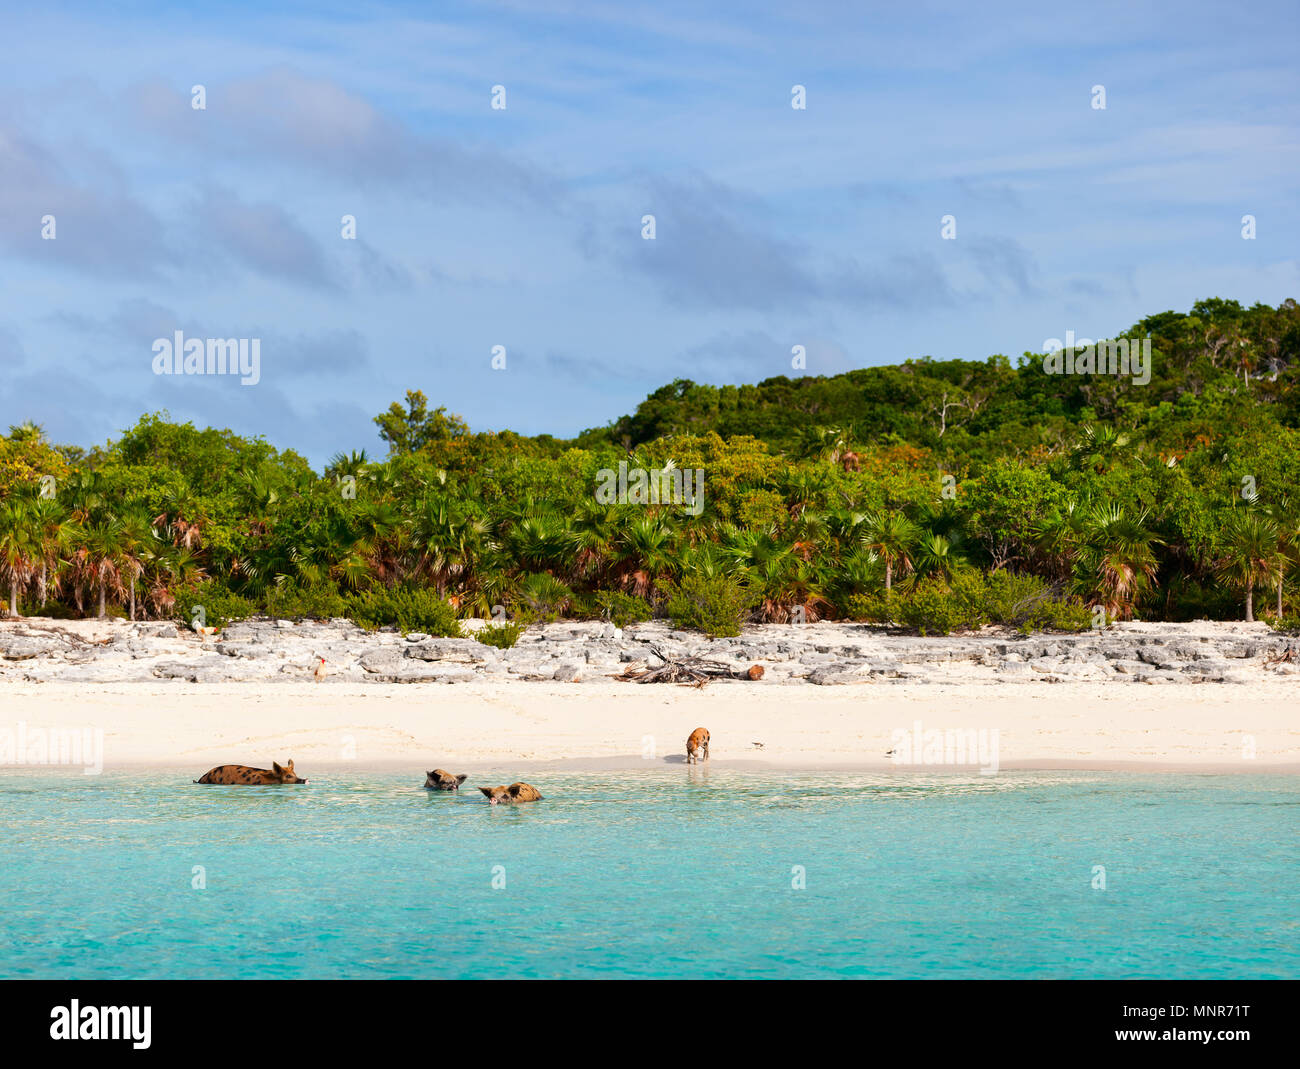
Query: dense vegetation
[{"x": 932, "y": 494}]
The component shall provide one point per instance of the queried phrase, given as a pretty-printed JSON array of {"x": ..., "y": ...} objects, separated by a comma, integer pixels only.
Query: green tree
[{"x": 411, "y": 429}]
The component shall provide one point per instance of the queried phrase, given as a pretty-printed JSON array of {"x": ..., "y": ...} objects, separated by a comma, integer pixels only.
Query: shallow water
[{"x": 669, "y": 872}]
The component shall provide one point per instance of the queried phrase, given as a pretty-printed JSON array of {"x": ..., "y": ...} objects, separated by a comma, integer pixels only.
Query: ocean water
[{"x": 664, "y": 872}]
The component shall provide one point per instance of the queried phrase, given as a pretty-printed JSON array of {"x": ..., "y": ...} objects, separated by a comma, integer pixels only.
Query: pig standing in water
[
  {"x": 697, "y": 745},
  {"x": 438, "y": 780},
  {"x": 243, "y": 776},
  {"x": 516, "y": 792}
]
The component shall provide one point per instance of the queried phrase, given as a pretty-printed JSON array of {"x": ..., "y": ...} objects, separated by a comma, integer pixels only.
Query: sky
[{"x": 522, "y": 226}]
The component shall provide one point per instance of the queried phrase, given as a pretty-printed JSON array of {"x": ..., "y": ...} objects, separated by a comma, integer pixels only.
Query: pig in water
[
  {"x": 243, "y": 776},
  {"x": 697, "y": 746},
  {"x": 438, "y": 780},
  {"x": 516, "y": 792}
]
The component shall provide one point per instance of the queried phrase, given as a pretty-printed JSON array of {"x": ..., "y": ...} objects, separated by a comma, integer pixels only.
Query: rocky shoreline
[{"x": 36, "y": 650}]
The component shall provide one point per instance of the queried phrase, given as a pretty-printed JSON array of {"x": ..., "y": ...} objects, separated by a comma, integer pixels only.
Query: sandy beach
[
  {"x": 513, "y": 725},
  {"x": 1219, "y": 697}
]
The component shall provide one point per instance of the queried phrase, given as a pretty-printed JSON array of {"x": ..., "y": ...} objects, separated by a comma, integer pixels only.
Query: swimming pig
[
  {"x": 438, "y": 780},
  {"x": 697, "y": 745},
  {"x": 516, "y": 792},
  {"x": 243, "y": 776}
]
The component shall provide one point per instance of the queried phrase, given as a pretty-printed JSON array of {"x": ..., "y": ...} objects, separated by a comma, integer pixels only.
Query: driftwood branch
[{"x": 691, "y": 671}]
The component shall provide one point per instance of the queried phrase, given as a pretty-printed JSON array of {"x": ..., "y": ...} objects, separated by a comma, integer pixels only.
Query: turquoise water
[{"x": 666, "y": 872}]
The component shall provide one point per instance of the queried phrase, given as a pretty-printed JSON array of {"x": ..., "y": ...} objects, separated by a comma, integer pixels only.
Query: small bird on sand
[
  {"x": 319, "y": 671},
  {"x": 756, "y": 745},
  {"x": 890, "y": 753}
]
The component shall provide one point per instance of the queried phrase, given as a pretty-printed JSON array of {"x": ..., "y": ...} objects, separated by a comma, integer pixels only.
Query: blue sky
[{"x": 522, "y": 227}]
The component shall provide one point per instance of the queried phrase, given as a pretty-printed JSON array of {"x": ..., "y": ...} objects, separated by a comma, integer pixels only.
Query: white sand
[{"x": 1209, "y": 727}]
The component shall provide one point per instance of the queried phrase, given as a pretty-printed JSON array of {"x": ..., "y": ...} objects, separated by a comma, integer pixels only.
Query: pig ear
[
  {"x": 429, "y": 774},
  {"x": 289, "y": 766},
  {"x": 514, "y": 789},
  {"x": 276, "y": 766},
  {"x": 487, "y": 791},
  {"x": 462, "y": 778}
]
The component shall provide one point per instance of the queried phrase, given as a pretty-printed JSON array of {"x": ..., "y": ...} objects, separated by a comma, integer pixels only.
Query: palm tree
[
  {"x": 776, "y": 569},
  {"x": 380, "y": 534},
  {"x": 542, "y": 541},
  {"x": 19, "y": 547},
  {"x": 643, "y": 552},
  {"x": 1098, "y": 448},
  {"x": 355, "y": 463},
  {"x": 259, "y": 495},
  {"x": 137, "y": 542},
  {"x": 942, "y": 518},
  {"x": 170, "y": 569},
  {"x": 493, "y": 583},
  {"x": 845, "y": 526},
  {"x": 54, "y": 533},
  {"x": 800, "y": 487},
  {"x": 823, "y": 443},
  {"x": 448, "y": 541},
  {"x": 857, "y": 572},
  {"x": 786, "y": 584},
  {"x": 86, "y": 492},
  {"x": 753, "y": 548},
  {"x": 1058, "y": 537},
  {"x": 707, "y": 561},
  {"x": 340, "y": 551},
  {"x": 594, "y": 529},
  {"x": 545, "y": 595},
  {"x": 183, "y": 518},
  {"x": 27, "y": 431},
  {"x": 1252, "y": 555},
  {"x": 1286, "y": 514},
  {"x": 99, "y": 559},
  {"x": 1118, "y": 557},
  {"x": 936, "y": 557},
  {"x": 891, "y": 536}
]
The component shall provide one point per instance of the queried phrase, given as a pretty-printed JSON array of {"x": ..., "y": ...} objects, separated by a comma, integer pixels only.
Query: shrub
[
  {"x": 1024, "y": 601},
  {"x": 1068, "y": 615},
  {"x": 1286, "y": 624},
  {"x": 971, "y": 599},
  {"x": 1001, "y": 597},
  {"x": 220, "y": 606},
  {"x": 934, "y": 607},
  {"x": 291, "y": 601},
  {"x": 584, "y": 606},
  {"x": 622, "y": 609},
  {"x": 407, "y": 609},
  {"x": 716, "y": 605},
  {"x": 870, "y": 608},
  {"x": 502, "y": 636}
]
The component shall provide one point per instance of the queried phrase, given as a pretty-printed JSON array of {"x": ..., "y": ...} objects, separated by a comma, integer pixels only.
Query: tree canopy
[{"x": 852, "y": 495}]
